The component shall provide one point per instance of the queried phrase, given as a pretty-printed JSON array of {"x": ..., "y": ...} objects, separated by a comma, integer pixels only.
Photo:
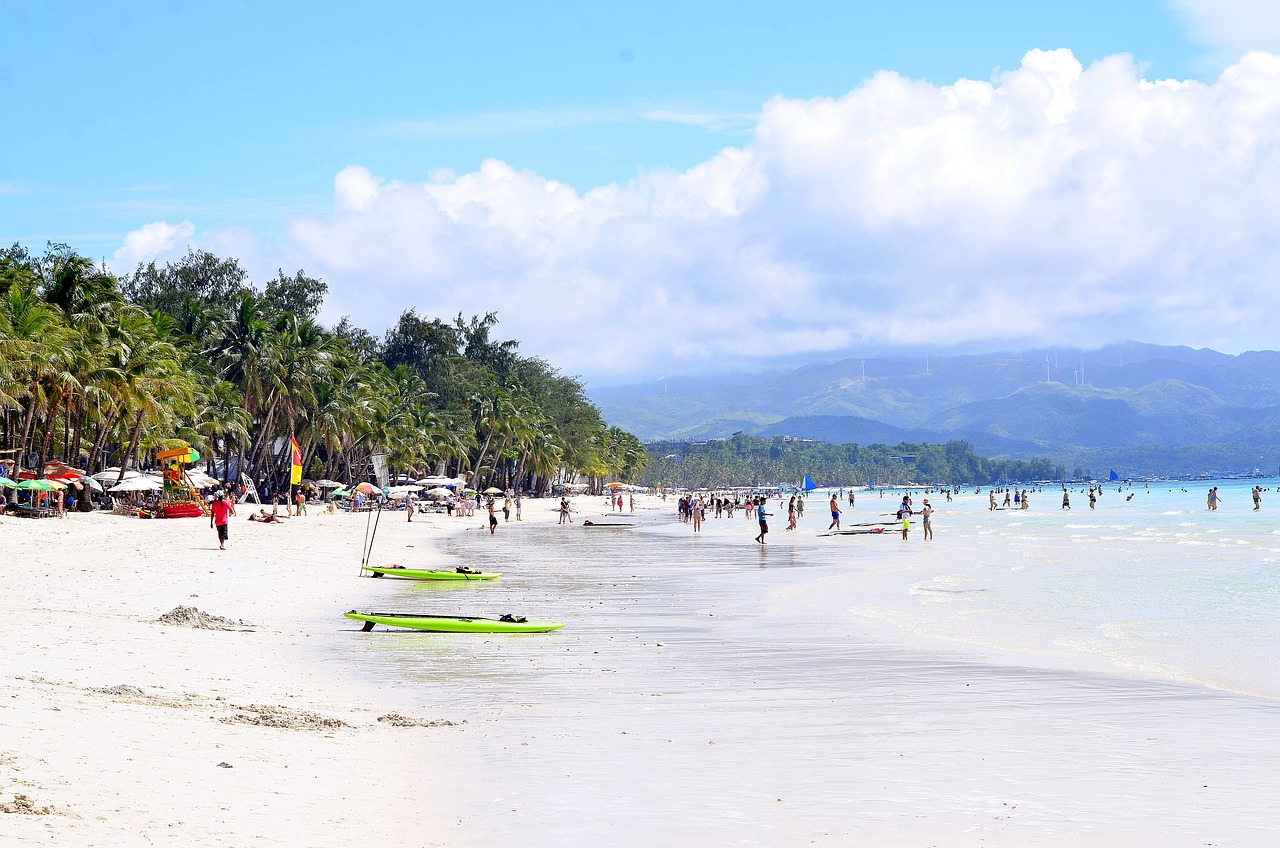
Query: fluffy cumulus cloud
[
  {"x": 1054, "y": 204},
  {"x": 157, "y": 240}
]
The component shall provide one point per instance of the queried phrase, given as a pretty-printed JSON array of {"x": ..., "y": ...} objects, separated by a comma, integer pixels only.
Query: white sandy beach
[{"x": 743, "y": 703}]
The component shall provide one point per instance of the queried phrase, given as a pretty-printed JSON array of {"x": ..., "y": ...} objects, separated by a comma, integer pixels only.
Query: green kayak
[
  {"x": 453, "y": 623},
  {"x": 423, "y": 574}
]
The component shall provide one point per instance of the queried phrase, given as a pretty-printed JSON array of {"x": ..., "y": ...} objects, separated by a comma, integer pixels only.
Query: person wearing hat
[{"x": 925, "y": 512}]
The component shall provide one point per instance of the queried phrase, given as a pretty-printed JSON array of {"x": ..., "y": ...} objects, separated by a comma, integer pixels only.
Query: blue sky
[
  {"x": 236, "y": 113},
  {"x": 666, "y": 181}
]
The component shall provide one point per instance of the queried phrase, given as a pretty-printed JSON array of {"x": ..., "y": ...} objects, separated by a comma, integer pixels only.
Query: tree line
[
  {"x": 100, "y": 370},
  {"x": 744, "y": 460}
]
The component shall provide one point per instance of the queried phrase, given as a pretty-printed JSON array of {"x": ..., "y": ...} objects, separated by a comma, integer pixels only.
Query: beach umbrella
[
  {"x": 34, "y": 486},
  {"x": 401, "y": 490},
  {"x": 440, "y": 492},
  {"x": 91, "y": 483},
  {"x": 137, "y": 484},
  {"x": 493, "y": 490},
  {"x": 109, "y": 475},
  {"x": 340, "y": 492},
  {"x": 365, "y": 489},
  {"x": 6, "y": 483},
  {"x": 328, "y": 484}
]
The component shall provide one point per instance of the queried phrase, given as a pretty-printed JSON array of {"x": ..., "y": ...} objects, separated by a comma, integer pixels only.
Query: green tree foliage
[
  {"x": 750, "y": 461},
  {"x": 97, "y": 371}
]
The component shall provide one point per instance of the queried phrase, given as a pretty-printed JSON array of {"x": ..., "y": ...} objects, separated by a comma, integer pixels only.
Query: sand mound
[
  {"x": 283, "y": 717},
  {"x": 397, "y": 720},
  {"x": 23, "y": 806},
  {"x": 123, "y": 689},
  {"x": 192, "y": 617}
]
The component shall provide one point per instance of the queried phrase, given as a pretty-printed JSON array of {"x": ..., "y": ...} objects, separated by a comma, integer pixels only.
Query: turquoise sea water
[{"x": 1094, "y": 677}]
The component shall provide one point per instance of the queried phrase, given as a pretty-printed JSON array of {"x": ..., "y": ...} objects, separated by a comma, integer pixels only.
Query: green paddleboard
[
  {"x": 421, "y": 574},
  {"x": 450, "y": 623}
]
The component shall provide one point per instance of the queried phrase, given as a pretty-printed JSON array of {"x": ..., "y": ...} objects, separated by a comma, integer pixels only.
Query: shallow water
[{"x": 1031, "y": 675}]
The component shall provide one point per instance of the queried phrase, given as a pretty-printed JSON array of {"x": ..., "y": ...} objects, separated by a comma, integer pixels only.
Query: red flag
[{"x": 296, "y": 477}]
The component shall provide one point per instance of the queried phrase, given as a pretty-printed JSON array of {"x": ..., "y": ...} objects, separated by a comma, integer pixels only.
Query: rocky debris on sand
[
  {"x": 397, "y": 720},
  {"x": 263, "y": 716},
  {"x": 123, "y": 689},
  {"x": 23, "y": 806},
  {"x": 182, "y": 616}
]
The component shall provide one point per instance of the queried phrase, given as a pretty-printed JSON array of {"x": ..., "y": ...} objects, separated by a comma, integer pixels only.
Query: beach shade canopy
[
  {"x": 440, "y": 492},
  {"x": 109, "y": 475},
  {"x": 91, "y": 483},
  {"x": 35, "y": 486},
  {"x": 50, "y": 485},
  {"x": 493, "y": 490},
  {"x": 365, "y": 489},
  {"x": 328, "y": 484},
  {"x": 340, "y": 492},
  {"x": 402, "y": 490},
  {"x": 6, "y": 483},
  {"x": 441, "y": 481},
  {"x": 137, "y": 484},
  {"x": 201, "y": 480}
]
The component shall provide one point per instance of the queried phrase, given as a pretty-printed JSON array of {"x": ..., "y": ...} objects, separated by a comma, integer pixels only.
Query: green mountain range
[{"x": 1139, "y": 408}]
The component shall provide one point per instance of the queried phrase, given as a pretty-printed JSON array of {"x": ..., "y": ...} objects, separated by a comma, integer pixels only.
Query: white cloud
[
  {"x": 1054, "y": 205},
  {"x": 157, "y": 240},
  {"x": 1230, "y": 28}
]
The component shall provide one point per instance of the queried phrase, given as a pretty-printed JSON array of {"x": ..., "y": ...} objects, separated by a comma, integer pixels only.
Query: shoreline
[{"x": 121, "y": 722}]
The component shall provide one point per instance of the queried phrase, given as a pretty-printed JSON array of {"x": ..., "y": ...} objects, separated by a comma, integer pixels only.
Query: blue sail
[
  {"x": 809, "y": 485},
  {"x": 1114, "y": 475}
]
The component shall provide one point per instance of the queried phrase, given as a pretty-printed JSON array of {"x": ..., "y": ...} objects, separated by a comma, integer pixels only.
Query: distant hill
[{"x": 1149, "y": 408}]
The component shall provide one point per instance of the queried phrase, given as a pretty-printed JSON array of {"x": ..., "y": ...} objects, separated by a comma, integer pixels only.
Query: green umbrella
[
  {"x": 34, "y": 486},
  {"x": 6, "y": 483}
]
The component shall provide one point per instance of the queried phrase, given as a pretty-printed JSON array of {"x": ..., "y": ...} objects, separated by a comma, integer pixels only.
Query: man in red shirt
[{"x": 220, "y": 512}]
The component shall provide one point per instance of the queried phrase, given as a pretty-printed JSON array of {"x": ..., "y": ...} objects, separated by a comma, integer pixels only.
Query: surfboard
[
  {"x": 427, "y": 574},
  {"x": 452, "y": 623}
]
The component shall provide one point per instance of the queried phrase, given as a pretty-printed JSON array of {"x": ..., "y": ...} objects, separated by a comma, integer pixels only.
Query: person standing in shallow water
[
  {"x": 835, "y": 514},
  {"x": 925, "y": 513},
  {"x": 764, "y": 520},
  {"x": 1066, "y": 499}
]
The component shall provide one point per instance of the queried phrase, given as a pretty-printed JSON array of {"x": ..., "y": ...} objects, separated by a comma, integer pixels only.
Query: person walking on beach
[
  {"x": 506, "y": 508},
  {"x": 1066, "y": 498},
  {"x": 301, "y": 500},
  {"x": 835, "y": 514},
  {"x": 564, "y": 511},
  {"x": 800, "y": 507},
  {"x": 791, "y": 514},
  {"x": 764, "y": 521},
  {"x": 925, "y": 512},
  {"x": 518, "y": 507},
  {"x": 220, "y": 512},
  {"x": 493, "y": 519},
  {"x": 695, "y": 512},
  {"x": 904, "y": 514}
]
